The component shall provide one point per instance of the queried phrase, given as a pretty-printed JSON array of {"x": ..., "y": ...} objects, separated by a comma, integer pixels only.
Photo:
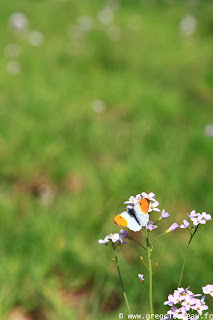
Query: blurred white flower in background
[
  {"x": 188, "y": 25},
  {"x": 85, "y": 23},
  {"x": 35, "y": 38},
  {"x": 208, "y": 130},
  {"x": 46, "y": 196},
  {"x": 19, "y": 22},
  {"x": 106, "y": 15},
  {"x": 114, "y": 4},
  {"x": 98, "y": 106},
  {"x": 12, "y": 50},
  {"x": 13, "y": 67},
  {"x": 20, "y": 25}
]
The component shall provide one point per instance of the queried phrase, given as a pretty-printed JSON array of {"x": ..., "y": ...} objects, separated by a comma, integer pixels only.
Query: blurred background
[{"x": 100, "y": 101}]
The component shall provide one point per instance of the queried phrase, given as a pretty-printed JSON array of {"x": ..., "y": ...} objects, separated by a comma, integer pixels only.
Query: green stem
[
  {"x": 145, "y": 264},
  {"x": 138, "y": 243},
  {"x": 121, "y": 281},
  {"x": 184, "y": 260},
  {"x": 150, "y": 272},
  {"x": 158, "y": 237}
]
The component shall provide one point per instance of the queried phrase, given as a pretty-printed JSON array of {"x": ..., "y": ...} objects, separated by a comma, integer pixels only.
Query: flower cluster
[
  {"x": 20, "y": 26},
  {"x": 115, "y": 238},
  {"x": 196, "y": 218},
  {"x": 182, "y": 301},
  {"x": 153, "y": 206},
  {"x": 150, "y": 196}
]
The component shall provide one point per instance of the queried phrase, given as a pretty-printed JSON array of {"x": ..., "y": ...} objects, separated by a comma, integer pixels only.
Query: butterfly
[{"x": 135, "y": 217}]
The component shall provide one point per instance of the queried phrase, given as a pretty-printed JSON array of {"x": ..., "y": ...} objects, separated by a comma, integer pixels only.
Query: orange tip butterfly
[{"x": 135, "y": 217}]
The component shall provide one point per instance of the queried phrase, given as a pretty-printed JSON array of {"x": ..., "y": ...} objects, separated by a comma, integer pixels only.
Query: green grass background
[{"x": 157, "y": 86}]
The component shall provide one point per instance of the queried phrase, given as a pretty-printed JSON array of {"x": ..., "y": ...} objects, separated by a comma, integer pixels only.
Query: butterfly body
[{"x": 135, "y": 217}]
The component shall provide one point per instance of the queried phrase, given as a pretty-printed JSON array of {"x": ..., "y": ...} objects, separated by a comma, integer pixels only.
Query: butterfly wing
[
  {"x": 141, "y": 211},
  {"x": 126, "y": 220}
]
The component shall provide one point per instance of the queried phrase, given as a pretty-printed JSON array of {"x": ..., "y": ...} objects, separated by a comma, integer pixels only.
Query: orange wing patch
[
  {"x": 120, "y": 221},
  {"x": 144, "y": 205}
]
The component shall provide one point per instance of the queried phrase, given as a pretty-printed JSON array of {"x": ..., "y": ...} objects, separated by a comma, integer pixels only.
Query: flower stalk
[
  {"x": 137, "y": 243},
  {"x": 186, "y": 252},
  {"x": 136, "y": 210},
  {"x": 120, "y": 278},
  {"x": 150, "y": 271}
]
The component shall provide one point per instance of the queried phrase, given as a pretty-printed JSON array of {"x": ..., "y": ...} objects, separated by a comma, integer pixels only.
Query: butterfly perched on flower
[{"x": 135, "y": 217}]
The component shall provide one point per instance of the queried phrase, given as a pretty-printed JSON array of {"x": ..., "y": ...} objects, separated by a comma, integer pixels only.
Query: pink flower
[
  {"x": 150, "y": 226},
  {"x": 150, "y": 196},
  {"x": 193, "y": 214},
  {"x": 188, "y": 302},
  {"x": 106, "y": 239},
  {"x": 206, "y": 216},
  {"x": 153, "y": 206},
  {"x": 124, "y": 234},
  {"x": 185, "y": 224},
  {"x": 164, "y": 214},
  {"x": 198, "y": 220},
  {"x": 208, "y": 289},
  {"x": 115, "y": 238},
  {"x": 200, "y": 306},
  {"x": 141, "y": 277},
  {"x": 172, "y": 227}
]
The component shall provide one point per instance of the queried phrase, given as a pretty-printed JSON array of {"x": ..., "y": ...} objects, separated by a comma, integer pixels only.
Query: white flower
[
  {"x": 150, "y": 196},
  {"x": 193, "y": 214},
  {"x": 19, "y": 22},
  {"x": 153, "y": 206},
  {"x": 174, "y": 312},
  {"x": 106, "y": 15},
  {"x": 164, "y": 215},
  {"x": 133, "y": 200},
  {"x": 185, "y": 224},
  {"x": 12, "y": 50},
  {"x": 115, "y": 237},
  {"x": 198, "y": 220},
  {"x": 85, "y": 23},
  {"x": 106, "y": 239},
  {"x": 206, "y": 216},
  {"x": 174, "y": 298},
  {"x": 35, "y": 38},
  {"x": 209, "y": 130},
  {"x": 141, "y": 277},
  {"x": 98, "y": 106},
  {"x": 188, "y": 302},
  {"x": 208, "y": 289},
  {"x": 13, "y": 67},
  {"x": 199, "y": 306},
  {"x": 188, "y": 25}
]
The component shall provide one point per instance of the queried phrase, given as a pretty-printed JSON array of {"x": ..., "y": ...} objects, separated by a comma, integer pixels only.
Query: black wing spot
[{"x": 131, "y": 212}]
